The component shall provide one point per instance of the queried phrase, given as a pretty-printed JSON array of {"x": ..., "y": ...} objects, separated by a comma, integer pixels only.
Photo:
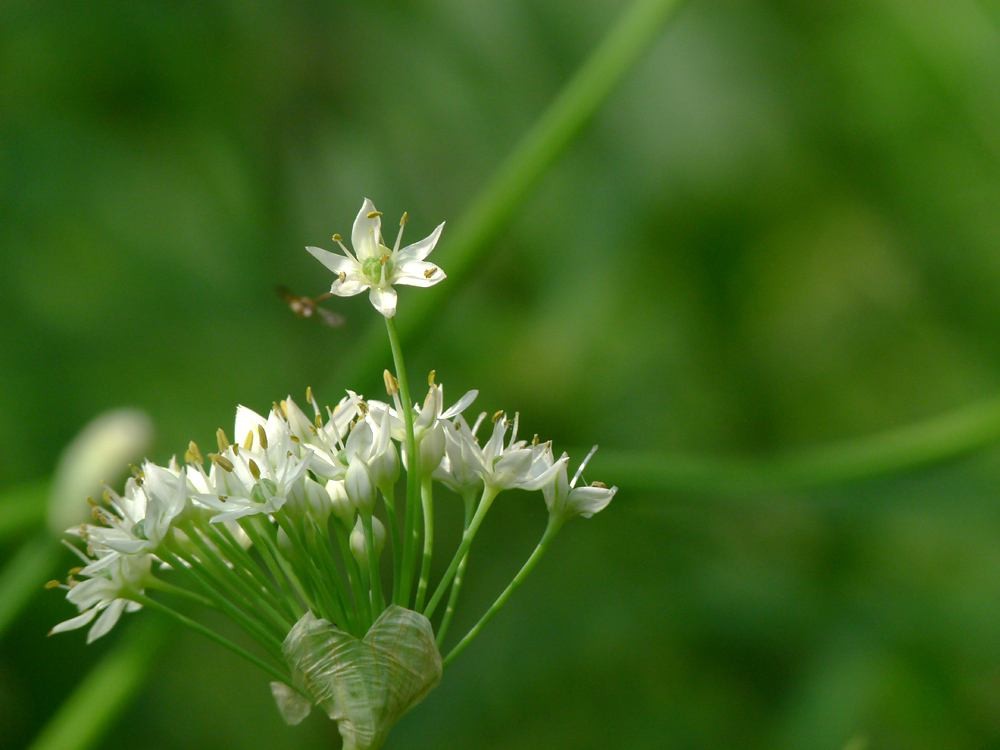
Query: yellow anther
[
  {"x": 193, "y": 455},
  {"x": 254, "y": 468},
  {"x": 534, "y": 439},
  {"x": 75, "y": 571},
  {"x": 309, "y": 395},
  {"x": 262, "y": 436},
  {"x": 294, "y": 438},
  {"x": 319, "y": 420},
  {"x": 342, "y": 277},
  {"x": 236, "y": 450},
  {"x": 53, "y": 584},
  {"x": 391, "y": 384},
  {"x": 384, "y": 259},
  {"x": 336, "y": 237},
  {"x": 374, "y": 214},
  {"x": 222, "y": 498},
  {"x": 599, "y": 485},
  {"x": 497, "y": 415},
  {"x": 404, "y": 218},
  {"x": 248, "y": 441},
  {"x": 91, "y": 502},
  {"x": 429, "y": 273},
  {"x": 431, "y": 377},
  {"x": 221, "y": 461},
  {"x": 222, "y": 440}
]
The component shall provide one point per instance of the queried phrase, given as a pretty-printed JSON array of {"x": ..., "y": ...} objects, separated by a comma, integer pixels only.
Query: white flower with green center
[{"x": 375, "y": 266}]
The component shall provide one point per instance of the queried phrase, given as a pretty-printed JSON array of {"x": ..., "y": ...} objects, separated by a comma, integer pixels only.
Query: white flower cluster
[{"x": 289, "y": 474}]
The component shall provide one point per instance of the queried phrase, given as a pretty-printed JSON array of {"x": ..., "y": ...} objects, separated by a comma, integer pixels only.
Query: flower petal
[
  {"x": 461, "y": 405},
  {"x": 384, "y": 300},
  {"x": 367, "y": 232},
  {"x": 355, "y": 283},
  {"x": 586, "y": 501},
  {"x": 107, "y": 620},
  {"x": 418, "y": 273},
  {"x": 420, "y": 250},
  {"x": 73, "y": 623},
  {"x": 334, "y": 261}
]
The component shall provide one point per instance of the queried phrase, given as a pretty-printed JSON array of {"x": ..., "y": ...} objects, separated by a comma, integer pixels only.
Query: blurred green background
[{"x": 780, "y": 230}]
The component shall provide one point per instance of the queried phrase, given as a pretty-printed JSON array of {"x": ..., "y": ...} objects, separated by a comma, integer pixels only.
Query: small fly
[{"x": 309, "y": 307}]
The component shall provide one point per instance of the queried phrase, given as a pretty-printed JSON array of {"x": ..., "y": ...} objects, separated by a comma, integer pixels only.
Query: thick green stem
[
  {"x": 410, "y": 533},
  {"x": 427, "y": 504},
  {"x": 489, "y": 495},
  {"x": 492, "y": 209},
  {"x": 110, "y": 686},
  {"x": 550, "y": 531},
  {"x": 23, "y": 575}
]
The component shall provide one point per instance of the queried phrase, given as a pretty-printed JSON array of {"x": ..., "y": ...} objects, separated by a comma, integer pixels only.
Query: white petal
[
  {"x": 384, "y": 300},
  {"x": 420, "y": 250},
  {"x": 74, "y": 622},
  {"x": 459, "y": 406},
  {"x": 247, "y": 422},
  {"x": 418, "y": 273},
  {"x": 355, "y": 283},
  {"x": 334, "y": 261},
  {"x": 107, "y": 620},
  {"x": 586, "y": 501},
  {"x": 367, "y": 232}
]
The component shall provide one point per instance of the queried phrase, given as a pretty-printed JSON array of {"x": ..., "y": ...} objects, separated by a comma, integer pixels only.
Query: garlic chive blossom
[{"x": 376, "y": 267}]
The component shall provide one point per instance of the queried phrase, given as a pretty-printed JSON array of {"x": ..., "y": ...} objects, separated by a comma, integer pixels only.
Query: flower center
[{"x": 372, "y": 267}]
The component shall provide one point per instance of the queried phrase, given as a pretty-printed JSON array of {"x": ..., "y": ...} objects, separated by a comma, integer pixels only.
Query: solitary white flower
[
  {"x": 376, "y": 267},
  {"x": 565, "y": 500}
]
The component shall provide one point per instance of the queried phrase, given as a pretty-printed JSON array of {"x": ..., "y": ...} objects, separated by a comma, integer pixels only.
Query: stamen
[
  {"x": 222, "y": 440},
  {"x": 431, "y": 376},
  {"x": 262, "y": 436},
  {"x": 384, "y": 259},
  {"x": 254, "y": 468},
  {"x": 248, "y": 441},
  {"x": 53, "y": 584},
  {"x": 193, "y": 455},
  {"x": 391, "y": 384},
  {"x": 429, "y": 273},
  {"x": 236, "y": 450},
  {"x": 336, "y": 237},
  {"x": 535, "y": 439},
  {"x": 342, "y": 277},
  {"x": 583, "y": 465},
  {"x": 374, "y": 214},
  {"x": 399, "y": 235},
  {"x": 221, "y": 461},
  {"x": 599, "y": 485},
  {"x": 496, "y": 415}
]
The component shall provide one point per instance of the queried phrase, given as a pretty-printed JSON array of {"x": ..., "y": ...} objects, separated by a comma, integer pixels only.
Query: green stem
[
  {"x": 492, "y": 209},
  {"x": 23, "y": 575},
  {"x": 109, "y": 687},
  {"x": 468, "y": 498},
  {"x": 427, "y": 503},
  {"x": 393, "y": 532},
  {"x": 489, "y": 495},
  {"x": 209, "y": 633},
  {"x": 550, "y": 532},
  {"x": 23, "y": 507},
  {"x": 410, "y": 533},
  {"x": 937, "y": 440}
]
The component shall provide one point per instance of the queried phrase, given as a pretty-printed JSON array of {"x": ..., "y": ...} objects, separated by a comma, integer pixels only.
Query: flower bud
[
  {"x": 317, "y": 500},
  {"x": 340, "y": 504},
  {"x": 359, "y": 486},
  {"x": 384, "y": 467},
  {"x": 432, "y": 445},
  {"x": 358, "y": 547}
]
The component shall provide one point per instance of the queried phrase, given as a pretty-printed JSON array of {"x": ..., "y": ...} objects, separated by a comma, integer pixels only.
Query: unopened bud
[
  {"x": 359, "y": 548},
  {"x": 340, "y": 503},
  {"x": 360, "y": 488}
]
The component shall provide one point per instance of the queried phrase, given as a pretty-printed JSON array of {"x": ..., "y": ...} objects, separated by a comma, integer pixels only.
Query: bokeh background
[{"x": 780, "y": 230}]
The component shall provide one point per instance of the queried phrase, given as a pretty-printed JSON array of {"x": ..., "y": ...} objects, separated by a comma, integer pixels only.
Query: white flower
[
  {"x": 374, "y": 266},
  {"x": 107, "y": 579},
  {"x": 258, "y": 477},
  {"x": 565, "y": 500}
]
